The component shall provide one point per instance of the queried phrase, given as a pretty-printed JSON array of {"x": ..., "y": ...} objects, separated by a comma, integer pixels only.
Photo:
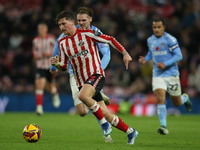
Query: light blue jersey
[
  {"x": 164, "y": 49},
  {"x": 103, "y": 48}
]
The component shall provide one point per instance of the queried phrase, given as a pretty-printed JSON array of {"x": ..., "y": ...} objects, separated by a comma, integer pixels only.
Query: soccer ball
[{"x": 32, "y": 133}]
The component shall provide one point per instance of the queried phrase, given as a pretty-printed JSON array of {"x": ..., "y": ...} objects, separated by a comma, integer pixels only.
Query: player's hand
[
  {"x": 54, "y": 60},
  {"x": 142, "y": 60},
  {"x": 160, "y": 65},
  {"x": 60, "y": 66},
  {"x": 54, "y": 73},
  {"x": 127, "y": 58}
]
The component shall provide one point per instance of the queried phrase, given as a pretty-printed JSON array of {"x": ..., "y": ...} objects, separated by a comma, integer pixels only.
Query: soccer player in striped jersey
[
  {"x": 84, "y": 18},
  {"x": 165, "y": 52},
  {"x": 80, "y": 48},
  {"x": 43, "y": 45}
]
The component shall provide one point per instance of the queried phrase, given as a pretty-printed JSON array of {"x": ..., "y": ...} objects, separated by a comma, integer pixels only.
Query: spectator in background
[
  {"x": 43, "y": 45},
  {"x": 15, "y": 40},
  {"x": 165, "y": 53}
]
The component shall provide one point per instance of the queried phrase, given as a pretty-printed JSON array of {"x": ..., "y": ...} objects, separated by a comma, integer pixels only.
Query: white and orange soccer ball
[{"x": 32, "y": 133}]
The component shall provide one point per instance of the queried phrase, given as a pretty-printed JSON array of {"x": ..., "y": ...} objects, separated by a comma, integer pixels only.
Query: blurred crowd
[{"x": 129, "y": 21}]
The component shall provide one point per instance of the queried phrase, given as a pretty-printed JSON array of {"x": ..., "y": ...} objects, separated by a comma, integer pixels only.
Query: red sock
[
  {"x": 96, "y": 110},
  {"x": 119, "y": 124},
  {"x": 39, "y": 97}
]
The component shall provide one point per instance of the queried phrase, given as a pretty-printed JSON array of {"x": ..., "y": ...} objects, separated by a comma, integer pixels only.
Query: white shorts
[
  {"x": 170, "y": 84},
  {"x": 75, "y": 90}
]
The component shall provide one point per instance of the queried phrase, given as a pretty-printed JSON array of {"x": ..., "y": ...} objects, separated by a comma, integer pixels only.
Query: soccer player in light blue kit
[
  {"x": 84, "y": 18},
  {"x": 165, "y": 52}
]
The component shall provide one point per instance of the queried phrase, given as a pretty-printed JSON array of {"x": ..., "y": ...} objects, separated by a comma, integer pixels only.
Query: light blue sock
[
  {"x": 100, "y": 125},
  {"x": 183, "y": 99},
  {"x": 162, "y": 114}
]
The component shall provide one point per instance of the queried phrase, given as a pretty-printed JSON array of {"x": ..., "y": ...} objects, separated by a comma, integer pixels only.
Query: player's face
[
  {"x": 158, "y": 28},
  {"x": 84, "y": 21},
  {"x": 42, "y": 30},
  {"x": 65, "y": 25}
]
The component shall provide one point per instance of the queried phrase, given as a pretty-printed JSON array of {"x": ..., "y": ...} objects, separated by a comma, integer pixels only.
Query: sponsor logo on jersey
[
  {"x": 102, "y": 45},
  {"x": 83, "y": 53},
  {"x": 160, "y": 52}
]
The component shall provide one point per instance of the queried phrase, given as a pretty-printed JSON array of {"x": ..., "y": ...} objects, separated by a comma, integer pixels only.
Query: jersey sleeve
[
  {"x": 63, "y": 60},
  {"x": 172, "y": 42},
  {"x": 102, "y": 38},
  {"x": 105, "y": 51},
  {"x": 175, "y": 49},
  {"x": 55, "y": 52},
  {"x": 176, "y": 57},
  {"x": 149, "y": 54}
]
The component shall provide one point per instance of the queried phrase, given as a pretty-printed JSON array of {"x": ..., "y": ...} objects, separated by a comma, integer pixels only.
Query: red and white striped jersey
[
  {"x": 41, "y": 45},
  {"x": 81, "y": 50}
]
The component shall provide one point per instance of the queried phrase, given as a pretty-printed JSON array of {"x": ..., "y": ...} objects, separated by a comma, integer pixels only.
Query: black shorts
[
  {"x": 44, "y": 73},
  {"x": 97, "y": 81}
]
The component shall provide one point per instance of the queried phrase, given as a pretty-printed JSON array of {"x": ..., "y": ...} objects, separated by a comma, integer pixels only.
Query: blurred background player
[
  {"x": 42, "y": 51},
  {"x": 165, "y": 52},
  {"x": 89, "y": 74},
  {"x": 84, "y": 18}
]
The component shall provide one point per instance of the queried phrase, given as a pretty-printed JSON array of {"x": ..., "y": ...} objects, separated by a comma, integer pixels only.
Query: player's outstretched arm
[{"x": 102, "y": 38}]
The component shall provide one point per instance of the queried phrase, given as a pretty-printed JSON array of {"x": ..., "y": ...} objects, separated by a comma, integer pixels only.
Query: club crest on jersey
[
  {"x": 81, "y": 43},
  {"x": 162, "y": 45}
]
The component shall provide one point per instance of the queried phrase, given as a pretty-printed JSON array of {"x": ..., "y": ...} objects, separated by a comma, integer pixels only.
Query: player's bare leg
[
  {"x": 82, "y": 109},
  {"x": 182, "y": 99}
]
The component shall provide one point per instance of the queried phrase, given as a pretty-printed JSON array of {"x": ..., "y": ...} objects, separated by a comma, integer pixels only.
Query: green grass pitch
[{"x": 61, "y": 131}]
